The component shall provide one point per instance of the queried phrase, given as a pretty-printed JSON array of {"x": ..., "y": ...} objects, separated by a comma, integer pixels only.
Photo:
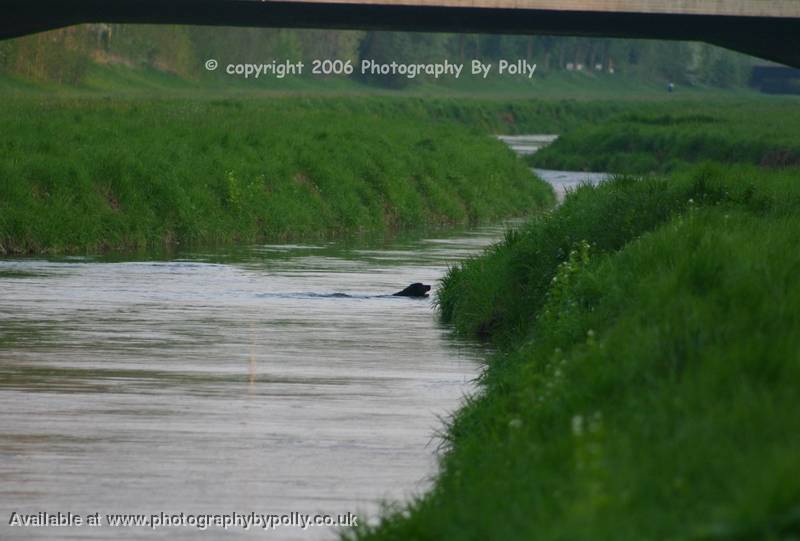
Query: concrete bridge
[{"x": 766, "y": 28}]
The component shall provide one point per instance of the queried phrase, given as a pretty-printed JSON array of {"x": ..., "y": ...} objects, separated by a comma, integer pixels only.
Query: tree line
[{"x": 65, "y": 55}]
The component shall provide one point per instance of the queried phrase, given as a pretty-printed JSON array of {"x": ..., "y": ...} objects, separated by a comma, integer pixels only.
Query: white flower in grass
[{"x": 577, "y": 425}]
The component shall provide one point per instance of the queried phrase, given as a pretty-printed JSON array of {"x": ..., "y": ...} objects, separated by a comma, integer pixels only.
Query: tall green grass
[
  {"x": 646, "y": 384},
  {"x": 94, "y": 174},
  {"x": 661, "y": 138}
]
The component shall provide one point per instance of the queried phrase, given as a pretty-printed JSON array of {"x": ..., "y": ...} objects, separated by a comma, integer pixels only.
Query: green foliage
[
  {"x": 662, "y": 137},
  {"x": 60, "y": 56},
  {"x": 402, "y": 48},
  {"x": 649, "y": 391},
  {"x": 181, "y": 50},
  {"x": 496, "y": 295},
  {"x": 79, "y": 175},
  {"x": 168, "y": 49}
]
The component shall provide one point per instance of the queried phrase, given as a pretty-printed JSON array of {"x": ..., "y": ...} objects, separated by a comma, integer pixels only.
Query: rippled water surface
[
  {"x": 276, "y": 379},
  {"x": 214, "y": 383}
]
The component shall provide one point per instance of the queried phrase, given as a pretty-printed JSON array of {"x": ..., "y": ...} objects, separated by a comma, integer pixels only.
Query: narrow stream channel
[{"x": 562, "y": 181}]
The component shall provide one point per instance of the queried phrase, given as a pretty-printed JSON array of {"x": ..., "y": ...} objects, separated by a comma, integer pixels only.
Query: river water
[
  {"x": 277, "y": 379},
  {"x": 562, "y": 181},
  {"x": 272, "y": 379}
]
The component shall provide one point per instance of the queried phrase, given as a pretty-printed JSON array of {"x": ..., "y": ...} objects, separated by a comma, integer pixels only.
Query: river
[
  {"x": 271, "y": 379},
  {"x": 562, "y": 181},
  {"x": 214, "y": 382}
]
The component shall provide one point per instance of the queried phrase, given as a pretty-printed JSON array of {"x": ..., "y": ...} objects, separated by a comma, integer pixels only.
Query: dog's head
[{"x": 419, "y": 289}]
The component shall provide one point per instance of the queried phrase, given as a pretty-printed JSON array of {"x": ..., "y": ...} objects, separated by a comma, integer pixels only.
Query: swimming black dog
[{"x": 414, "y": 290}]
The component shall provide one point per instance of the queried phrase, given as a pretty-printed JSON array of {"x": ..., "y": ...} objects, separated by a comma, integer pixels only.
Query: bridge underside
[{"x": 772, "y": 38}]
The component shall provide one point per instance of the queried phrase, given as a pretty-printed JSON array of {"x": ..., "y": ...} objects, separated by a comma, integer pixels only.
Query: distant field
[{"x": 121, "y": 80}]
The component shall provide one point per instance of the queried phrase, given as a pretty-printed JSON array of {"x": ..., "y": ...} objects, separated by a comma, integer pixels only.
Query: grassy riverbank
[
  {"x": 94, "y": 174},
  {"x": 647, "y": 367},
  {"x": 82, "y": 173},
  {"x": 663, "y": 137},
  {"x": 646, "y": 386}
]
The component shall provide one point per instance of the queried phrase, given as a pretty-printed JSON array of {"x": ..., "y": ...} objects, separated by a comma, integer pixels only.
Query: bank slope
[
  {"x": 646, "y": 384},
  {"x": 102, "y": 174},
  {"x": 663, "y": 137}
]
